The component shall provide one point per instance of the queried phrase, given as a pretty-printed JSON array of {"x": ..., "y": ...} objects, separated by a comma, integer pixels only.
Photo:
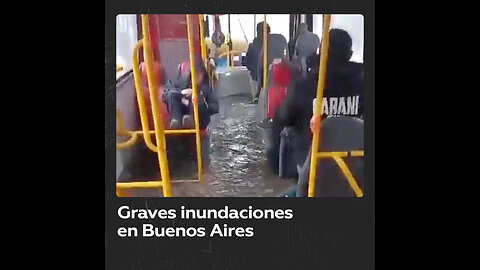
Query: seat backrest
[
  {"x": 276, "y": 94},
  {"x": 277, "y": 89},
  {"x": 281, "y": 75},
  {"x": 306, "y": 45},
  {"x": 277, "y": 47},
  {"x": 172, "y": 53},
  {"x": 341, "y": 133},
  {"x": 182, "y": 77}
]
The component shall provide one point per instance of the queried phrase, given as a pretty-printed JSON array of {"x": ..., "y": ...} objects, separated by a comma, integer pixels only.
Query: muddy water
[{"x": 238, "y": 165}]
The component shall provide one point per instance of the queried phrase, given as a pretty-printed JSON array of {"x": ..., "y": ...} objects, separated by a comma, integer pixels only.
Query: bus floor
[{"x": 237, "y": 167}]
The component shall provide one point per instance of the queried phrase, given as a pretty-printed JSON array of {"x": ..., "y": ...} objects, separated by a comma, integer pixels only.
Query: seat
[
  {"x": 233, "y": 81},
  {"x": 172, "y": 53},
  {"x": 281, "y": 76},
  {"x": 277, "y": 48},
  {"x": 306, "y": 45},
  {"x": 138, "y": 163},
  {"x": 341, "y": 133}
]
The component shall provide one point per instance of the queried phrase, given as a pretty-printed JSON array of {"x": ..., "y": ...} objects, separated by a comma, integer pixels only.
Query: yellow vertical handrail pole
[
  {"x": 202, "y": 39},
  {"x": 318, "y": 104},
  {"x": 137, "y": 76},
  {"x": 157, "y": 120},
  {"x": 265, "y": 52},
  {"x": 193, "y": 72}
]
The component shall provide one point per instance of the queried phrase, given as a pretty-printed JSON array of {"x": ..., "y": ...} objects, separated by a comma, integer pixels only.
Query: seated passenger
[
  {"x": 178, "y": 98},
  {"x": 343, "y": 95}
]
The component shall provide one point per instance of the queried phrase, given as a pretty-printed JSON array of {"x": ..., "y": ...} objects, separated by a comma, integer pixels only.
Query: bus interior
[{"x": 227, "y": 158}]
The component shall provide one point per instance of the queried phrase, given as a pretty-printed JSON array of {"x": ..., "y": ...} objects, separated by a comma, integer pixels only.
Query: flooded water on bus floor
[
  {"x": 238, "y": 166},
  {"x": 237, "y": 157}
]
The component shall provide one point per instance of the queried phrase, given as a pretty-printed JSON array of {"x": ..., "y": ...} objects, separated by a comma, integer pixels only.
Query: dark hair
[
  {"x": 260, "y": 31},
  {"x": 339, "y": 53},
  {"x": 260, "y": 27},
  {"x": 340, "y": 50}
]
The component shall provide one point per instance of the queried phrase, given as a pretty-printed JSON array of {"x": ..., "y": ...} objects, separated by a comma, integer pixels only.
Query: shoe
[
  {"x": 255, "y": 101},
  {"x": 174, "y": 124},
  {"x": 187, "y": 121}
]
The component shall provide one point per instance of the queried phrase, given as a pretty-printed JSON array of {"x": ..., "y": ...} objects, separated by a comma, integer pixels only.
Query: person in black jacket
[
  {"x": 343, "y": 95},
  {"x": 254, "y": 54},
  {"x": 178, "y": 97}
]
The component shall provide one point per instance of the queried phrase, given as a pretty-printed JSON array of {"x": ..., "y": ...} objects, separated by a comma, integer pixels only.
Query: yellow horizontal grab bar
[
  {"x": 332, "y": 154},
  {"x": 359, "y": 153},
  {"x": 355, "y": 153},
  {"x": 134, "y": 135},
  {"x": 130, "y": 142},
  {"x": 149, "y": 184},
  {"x": 225, "y": 54},
  {"x": 168, "y": 131}
]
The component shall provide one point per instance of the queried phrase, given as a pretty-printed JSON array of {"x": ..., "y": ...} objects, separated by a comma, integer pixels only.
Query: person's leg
[
  {"x": 175, "y": 108},
  {"x": 187, "y": 120},
  {"x": 290, "y": 192},
  {"x": 257, "y": 93},
  {"x": 303, "y": 178}
]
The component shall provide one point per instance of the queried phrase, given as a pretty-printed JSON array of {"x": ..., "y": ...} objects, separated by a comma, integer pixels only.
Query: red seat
[
  {"x": 277, "y": 92},
  {"x": 281, "y": 74}
]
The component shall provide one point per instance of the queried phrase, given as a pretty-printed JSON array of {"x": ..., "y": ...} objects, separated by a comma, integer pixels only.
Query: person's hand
[
  {"x": 187, "y": 92},
  {"x": 312, "y": 120},
  {"x": 276, "y": 61}
]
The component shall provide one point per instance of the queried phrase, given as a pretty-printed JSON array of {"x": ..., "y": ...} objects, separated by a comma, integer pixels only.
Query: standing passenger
[
  {"x": 343, "y": 95},
  {"x": 253, "y": 58}
]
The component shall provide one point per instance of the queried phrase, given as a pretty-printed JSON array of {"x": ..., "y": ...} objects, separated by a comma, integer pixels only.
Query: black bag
[{"x": 287, "y": 164}]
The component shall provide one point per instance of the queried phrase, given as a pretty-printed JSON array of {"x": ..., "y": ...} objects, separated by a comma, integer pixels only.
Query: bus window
[
  {"x": 352, "y": 23},
  {"x": 126, "y": 39}
]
